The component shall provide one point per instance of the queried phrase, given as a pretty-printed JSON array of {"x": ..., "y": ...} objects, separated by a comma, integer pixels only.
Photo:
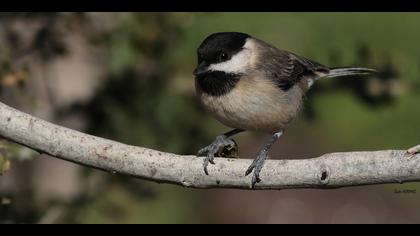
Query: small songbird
[{"x": 247, "y": 84}]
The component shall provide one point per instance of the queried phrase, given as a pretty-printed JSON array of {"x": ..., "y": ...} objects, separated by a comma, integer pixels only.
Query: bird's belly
[{"x": 255, "y": 109}]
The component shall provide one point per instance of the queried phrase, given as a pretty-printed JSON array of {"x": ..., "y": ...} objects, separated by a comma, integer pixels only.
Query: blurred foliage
[
  {"x": 128, "y": 202},
  {"x": 4, "y": 161},
  {"x": 9, "y": 151},
  {"x": 135, "y": 104},
  {"x": 137, "y": 94},
  {"x": 146, "y": 96}
]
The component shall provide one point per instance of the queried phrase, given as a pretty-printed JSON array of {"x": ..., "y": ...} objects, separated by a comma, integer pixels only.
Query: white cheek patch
[{"x": 237, "y": 64}]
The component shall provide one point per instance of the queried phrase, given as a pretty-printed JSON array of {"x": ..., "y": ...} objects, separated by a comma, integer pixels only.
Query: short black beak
[{"x": 201, "y": 69}]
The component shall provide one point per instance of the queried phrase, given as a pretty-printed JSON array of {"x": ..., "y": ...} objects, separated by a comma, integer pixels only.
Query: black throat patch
[{"x": 217, "y": 83}]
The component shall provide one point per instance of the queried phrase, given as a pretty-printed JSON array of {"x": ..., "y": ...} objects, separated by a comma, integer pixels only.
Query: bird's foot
[
  {"x": 256, "y": 167},
  {"x": 221, "y": 147},
  {"x": 229, "y": 151}
]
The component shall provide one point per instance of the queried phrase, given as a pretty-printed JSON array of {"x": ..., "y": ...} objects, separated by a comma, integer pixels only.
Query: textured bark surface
[{"x": 328, "y": 171}]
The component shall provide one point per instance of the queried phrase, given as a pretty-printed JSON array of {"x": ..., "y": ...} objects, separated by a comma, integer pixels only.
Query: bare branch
[
  {"x": 328, "y": 171},
  {"x": 414, "y": 150}
]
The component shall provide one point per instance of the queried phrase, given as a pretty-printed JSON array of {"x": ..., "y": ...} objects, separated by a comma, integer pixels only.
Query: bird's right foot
[{"x": 217, "y": 146}]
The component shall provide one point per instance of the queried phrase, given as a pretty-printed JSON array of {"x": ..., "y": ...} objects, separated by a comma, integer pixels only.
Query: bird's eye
[{"x": 223, "y": 56}]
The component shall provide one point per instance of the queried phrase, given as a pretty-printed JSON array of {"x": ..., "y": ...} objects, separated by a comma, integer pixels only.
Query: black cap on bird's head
[{"x": 217, "y": 48}]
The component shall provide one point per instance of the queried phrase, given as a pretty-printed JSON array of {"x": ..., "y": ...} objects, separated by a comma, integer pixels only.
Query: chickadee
[{"x": 248, "y": 84}]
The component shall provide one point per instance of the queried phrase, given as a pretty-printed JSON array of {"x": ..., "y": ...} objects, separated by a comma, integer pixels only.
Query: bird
[{"x": 250, "y": 85}]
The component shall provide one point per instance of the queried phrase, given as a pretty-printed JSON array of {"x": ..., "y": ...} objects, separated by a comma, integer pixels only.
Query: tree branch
[
  {"x": 414, "y": 150},
  {"x": 328, "y": 171}
]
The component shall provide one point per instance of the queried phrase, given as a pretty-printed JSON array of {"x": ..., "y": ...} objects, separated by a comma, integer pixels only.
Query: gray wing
[{"x": 287, "y": 68}]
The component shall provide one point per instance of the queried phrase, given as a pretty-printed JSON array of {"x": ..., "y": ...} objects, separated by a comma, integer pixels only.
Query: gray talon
[
  {"x": 250, "y": 168},
  {"x": 256, "y": 166},
  {"x": 258, "y": 163},
  {"x": 214, "y": 148},
  {"x": 255, "y": 179}
]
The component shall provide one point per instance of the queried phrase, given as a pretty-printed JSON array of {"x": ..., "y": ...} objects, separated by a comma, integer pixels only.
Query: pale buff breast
[{"x": 255, "y": 104}]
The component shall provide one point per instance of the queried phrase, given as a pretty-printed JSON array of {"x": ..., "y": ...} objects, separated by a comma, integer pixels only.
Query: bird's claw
[
  {"x": 214, "y": 149},
  {"x": 202, "y": 151},
  {"x": 255, "y": 176},
  {"x": 256, "y": 167},
  {"x": 250, "y": 168},
  {"x": 206, "y": 162}
]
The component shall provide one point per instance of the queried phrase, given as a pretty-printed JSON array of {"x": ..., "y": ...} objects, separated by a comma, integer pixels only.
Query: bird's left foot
[
  {"x": 256, "y": 166},
  {"x": 222, "y": 146}
]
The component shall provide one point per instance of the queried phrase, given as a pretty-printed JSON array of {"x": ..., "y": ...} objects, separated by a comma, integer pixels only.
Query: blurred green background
[{"x": 128, "y": 77}]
